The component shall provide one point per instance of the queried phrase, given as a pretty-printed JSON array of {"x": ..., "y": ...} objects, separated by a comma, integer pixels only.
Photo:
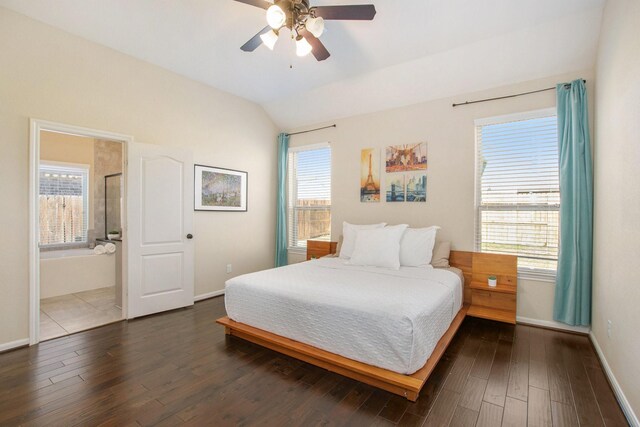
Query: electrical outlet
[
  {"x": 229, "y": 268},
  {"x": 609, "y": 326}
]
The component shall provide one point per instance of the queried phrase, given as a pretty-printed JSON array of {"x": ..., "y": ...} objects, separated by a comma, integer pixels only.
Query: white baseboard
[
  {"x": 14, "y": 344},
  {"x": 622, "y": 399},
  {"x": 208, "y": 295},
  {"x": 553, "y": 325}
]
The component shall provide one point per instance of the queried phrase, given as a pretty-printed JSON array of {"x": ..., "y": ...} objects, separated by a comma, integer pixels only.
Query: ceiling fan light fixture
[
  {"x": 276, "y": 17},
  {"x": 315, "y": 26},
  {"x": 269, "y": 39},
  {"x": 305, "y": 23},
  {"x": 303, "y": 48}
]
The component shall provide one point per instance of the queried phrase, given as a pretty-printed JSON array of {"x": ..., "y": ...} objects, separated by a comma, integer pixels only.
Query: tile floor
[{"x": 71, "y": 313}]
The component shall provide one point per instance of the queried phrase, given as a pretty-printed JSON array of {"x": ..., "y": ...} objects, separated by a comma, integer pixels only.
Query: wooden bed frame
[{"x": 408, "y": 386}]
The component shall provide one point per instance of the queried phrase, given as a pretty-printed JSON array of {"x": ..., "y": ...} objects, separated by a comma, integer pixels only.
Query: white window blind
[
  {"x": 517, "y": 189},
  {"x": 309, "y": 194},
  {"x": 64, "y": 204}
]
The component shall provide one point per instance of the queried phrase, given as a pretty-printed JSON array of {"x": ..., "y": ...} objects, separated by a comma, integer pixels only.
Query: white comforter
[{"x": 390, "y": 319}]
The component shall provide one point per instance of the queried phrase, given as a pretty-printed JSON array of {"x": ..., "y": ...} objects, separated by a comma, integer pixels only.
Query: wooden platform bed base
[{"x": 408, "y": 386}]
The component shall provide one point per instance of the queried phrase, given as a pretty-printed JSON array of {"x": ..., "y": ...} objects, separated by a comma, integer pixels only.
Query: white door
[{"x": 160, "y": 212}]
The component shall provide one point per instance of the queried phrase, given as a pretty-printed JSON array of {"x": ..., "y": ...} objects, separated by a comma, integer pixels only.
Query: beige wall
[
  {"x": 62, "y": 147},
  {"x": 52, "y": 75},
  {"x": 450, "y": 133},
  {"x": 617, "y": 195}
]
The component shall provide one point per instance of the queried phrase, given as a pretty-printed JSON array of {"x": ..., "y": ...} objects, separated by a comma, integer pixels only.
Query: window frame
[
  {"x": 74, "y": 168},
  {"x": 538, "y": 274},
  {"x": 290, "y": 206}
]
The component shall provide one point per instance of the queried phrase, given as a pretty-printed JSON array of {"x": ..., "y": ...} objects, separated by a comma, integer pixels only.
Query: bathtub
[{"x": 68, "y": 271}]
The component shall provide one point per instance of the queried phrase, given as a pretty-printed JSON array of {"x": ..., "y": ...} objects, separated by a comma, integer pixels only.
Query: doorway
[{"x": 78, "y": 229}]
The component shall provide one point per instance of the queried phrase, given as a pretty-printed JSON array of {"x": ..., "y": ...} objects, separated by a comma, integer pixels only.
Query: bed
[
  {"x": 385, "y": 318},
  {"x": 382, "y": 327}
]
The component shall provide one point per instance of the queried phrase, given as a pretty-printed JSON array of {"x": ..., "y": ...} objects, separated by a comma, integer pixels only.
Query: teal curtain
[
  {"x": 281, "y": 203},
  {"x": 573, "y": 282}
]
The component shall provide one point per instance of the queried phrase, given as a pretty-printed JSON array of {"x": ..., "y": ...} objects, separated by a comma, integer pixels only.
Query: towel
[
  {"x": 99, "y": 250},
  {"x": 110, "y": 248}
]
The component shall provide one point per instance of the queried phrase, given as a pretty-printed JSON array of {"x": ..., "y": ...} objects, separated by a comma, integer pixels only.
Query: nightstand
[
  {"x": 320, "y": 248},
  {"x": 494, "y": 303}
]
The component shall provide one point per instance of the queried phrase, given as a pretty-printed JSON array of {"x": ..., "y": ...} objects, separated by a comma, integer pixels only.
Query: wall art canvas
[
  {"x": 395, "y": 188},
  {"x": 370, "y": 175},
  {"x": 218, "y": 189},
  {"x": 407, "y": 157},
  {"x": 416, "y": 190}
]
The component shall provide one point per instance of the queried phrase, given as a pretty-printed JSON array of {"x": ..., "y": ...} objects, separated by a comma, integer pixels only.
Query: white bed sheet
[{"x": 385, "y": 318}]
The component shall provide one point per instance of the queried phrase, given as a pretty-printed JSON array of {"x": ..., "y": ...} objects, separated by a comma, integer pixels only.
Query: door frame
[{"x": 35, "y": 127}]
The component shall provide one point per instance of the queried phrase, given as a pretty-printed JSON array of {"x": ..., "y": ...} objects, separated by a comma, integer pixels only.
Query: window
[
  {"x": 518, "y": 190},
  {"x": 64, "y": 204},
  {"x": 309, "y": 195}
]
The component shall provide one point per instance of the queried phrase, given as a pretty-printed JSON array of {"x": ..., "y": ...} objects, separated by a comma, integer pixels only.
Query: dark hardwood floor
[{"x": 178, "y": 368}]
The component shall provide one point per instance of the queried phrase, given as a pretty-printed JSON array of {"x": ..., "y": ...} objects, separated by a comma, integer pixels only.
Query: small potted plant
[
  {"x": 113, "y": 234},
  {"x": 493, "y": 281}
]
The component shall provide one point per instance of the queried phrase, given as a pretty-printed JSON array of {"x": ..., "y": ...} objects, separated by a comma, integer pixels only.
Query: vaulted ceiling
[{"x": 414, "y": 50}]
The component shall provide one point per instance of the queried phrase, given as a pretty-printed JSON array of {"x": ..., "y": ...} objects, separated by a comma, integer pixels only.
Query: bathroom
[{"x": 80, "y": 228}]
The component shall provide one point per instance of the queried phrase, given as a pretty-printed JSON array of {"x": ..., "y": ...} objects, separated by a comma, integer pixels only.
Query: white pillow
[
  {"x": 416, "y": 246},
  {"x": 378, "y": 247},
  {"x": 349, "y": 236}
]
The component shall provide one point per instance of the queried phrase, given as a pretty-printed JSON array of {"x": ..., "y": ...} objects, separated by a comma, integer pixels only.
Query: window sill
[
  {"x": 297, "y": 250},
  {"x": 63, "y": 246},
  {"x": 538, "y": 276}
]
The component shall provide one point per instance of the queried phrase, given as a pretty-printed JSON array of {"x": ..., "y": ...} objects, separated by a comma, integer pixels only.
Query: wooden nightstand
[
  {"x": 320, "y": 248},
  {"x": 495, "y": 303}
]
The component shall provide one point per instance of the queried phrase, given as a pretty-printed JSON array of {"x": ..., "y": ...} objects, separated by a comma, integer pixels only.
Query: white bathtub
[{"x": 68, "y": 271}]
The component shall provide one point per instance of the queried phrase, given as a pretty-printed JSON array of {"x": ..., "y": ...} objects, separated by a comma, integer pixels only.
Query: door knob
[{"x": 189, "y": 236}]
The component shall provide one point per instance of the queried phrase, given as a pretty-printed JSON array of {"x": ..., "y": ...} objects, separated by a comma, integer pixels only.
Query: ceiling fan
[{"x": 305, "y": 22}]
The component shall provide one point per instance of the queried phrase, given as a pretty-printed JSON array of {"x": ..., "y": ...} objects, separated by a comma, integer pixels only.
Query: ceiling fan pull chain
[{"x": 293, "y": 39}]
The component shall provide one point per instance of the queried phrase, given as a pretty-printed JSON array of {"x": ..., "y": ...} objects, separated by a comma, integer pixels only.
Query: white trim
[
  {"x": 553, "y": 325},
  {"x": 36, "y": 126},
  {"x": 208, "y": 295},
  {"x": 317, "y": 146},
  {"x": 34, "y": 249},
  {"x": 14, "y": 344},
  {"x": 622, "y": 399},
  {"x": 526, "y": 115}
]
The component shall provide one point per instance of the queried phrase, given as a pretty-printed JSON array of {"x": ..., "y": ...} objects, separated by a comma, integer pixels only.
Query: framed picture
[
  {"x": 395, "y": 188},
  {"x": 416, "y": 188},
  {"x": 408, "y": 157},
  {"x": 219, "y": 189},
  {"x": 370, "y": 175}
]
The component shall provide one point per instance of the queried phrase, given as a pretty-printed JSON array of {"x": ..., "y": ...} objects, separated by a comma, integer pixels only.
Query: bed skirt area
[{"x": 408, "y": 386}]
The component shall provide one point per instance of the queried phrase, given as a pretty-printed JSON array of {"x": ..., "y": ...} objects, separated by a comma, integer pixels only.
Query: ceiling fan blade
[
  {"x": 257, "y": 3},
  {"x": 255, "y": 41},
  {"x": 360, "y": 12},
  {"x": 319, "y": 51}
]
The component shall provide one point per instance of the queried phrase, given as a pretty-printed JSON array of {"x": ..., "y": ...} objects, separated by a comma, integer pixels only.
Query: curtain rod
[
  {"x": 311, "y": 130},
  {"x": 506, "y": 96}
]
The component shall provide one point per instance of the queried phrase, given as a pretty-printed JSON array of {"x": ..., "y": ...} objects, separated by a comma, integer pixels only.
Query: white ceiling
[{"x": 413, "y": 51}]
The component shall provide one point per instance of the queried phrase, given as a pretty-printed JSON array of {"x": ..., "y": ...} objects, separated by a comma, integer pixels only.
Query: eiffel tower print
[
  {"x": 370, "y": 185},
  {"x": 370, "y": 190}
]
